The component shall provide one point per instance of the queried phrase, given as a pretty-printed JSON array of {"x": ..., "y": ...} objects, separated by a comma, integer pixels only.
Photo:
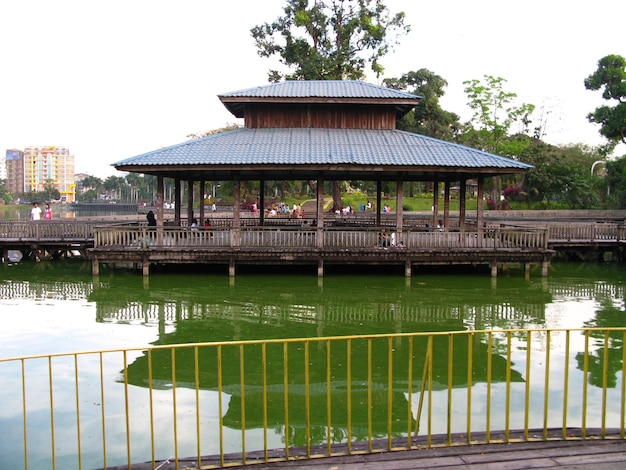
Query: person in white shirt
[{"x": 35, "y": 212}]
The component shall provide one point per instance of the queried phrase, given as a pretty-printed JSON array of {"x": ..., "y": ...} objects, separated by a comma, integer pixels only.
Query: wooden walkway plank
[{"x": 518, "y": 455}]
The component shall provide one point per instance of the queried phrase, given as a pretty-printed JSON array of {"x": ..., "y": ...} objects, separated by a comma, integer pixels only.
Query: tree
[
  {"x": 226, "y": 128},
  {"x": 329, "y": 40},
  {"x": 561, "y": 175},
  {"x": 611, "y": 78},
  {"x": 92, "y": 182},
  {"x": 428, "y": 118},
  {"x": 616, "y": 182},
  {"x": 494, "y": 116}
]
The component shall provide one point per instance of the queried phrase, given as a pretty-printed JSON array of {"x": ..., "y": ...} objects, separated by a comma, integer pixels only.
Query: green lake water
[{"x": 57, "y": 307}]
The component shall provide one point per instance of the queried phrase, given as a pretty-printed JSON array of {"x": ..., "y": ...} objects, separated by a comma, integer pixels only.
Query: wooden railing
[
  {"x": 286, "y": 237},
  {"x": 299, "y": 234},
  {"x": 50, "y": 229},
  {"x": 590, "y": 232}
]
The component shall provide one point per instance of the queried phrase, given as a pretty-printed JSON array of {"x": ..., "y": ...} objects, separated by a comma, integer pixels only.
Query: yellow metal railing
[{"x": 231, "y": 403}]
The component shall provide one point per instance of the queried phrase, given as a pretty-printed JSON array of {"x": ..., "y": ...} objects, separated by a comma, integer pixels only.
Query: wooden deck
[
  {"x": 318, "y": 247},
  {"x": 295, "y": 242},
  {"x": 517, "y": 453}
]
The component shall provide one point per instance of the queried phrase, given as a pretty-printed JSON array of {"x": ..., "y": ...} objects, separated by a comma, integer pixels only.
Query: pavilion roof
[
  {"x": 308, "y": 152},
  {"x": 320, "y": 91}
]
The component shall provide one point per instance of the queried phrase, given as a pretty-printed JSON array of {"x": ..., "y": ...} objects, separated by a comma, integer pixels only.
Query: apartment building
[
  {"x": 41, "y": 166},
  {"x": 15, "y": 171}
]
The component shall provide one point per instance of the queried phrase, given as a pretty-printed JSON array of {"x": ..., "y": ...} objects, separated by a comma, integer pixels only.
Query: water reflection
[{"x": 167, "y": 309}]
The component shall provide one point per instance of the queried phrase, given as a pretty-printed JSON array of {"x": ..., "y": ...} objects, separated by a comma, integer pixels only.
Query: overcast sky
[{"x": 113, "y": 79}]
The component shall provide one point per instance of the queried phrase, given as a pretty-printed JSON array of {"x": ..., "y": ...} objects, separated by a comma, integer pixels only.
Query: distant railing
[
  {"x": 50, "y": 229},
  {"x": 281, "y": 237},
  {"x": 241, "y": 402},
  {"x": 585, "y": 232}
]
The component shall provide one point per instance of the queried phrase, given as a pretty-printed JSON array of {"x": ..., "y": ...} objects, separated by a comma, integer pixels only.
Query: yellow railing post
[{"x": 322, "y": 382}]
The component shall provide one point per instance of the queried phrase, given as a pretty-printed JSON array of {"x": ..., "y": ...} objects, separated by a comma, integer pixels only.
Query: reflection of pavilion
[{"x": 251, "y": 380}]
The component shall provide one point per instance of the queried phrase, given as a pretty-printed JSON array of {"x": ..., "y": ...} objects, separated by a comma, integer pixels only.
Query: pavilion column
[
  {"x": 320, "y": 216},
  {"x": 399, "y": 202},
  {"x": 480, "y": 204},
  {"x": 189, "y": 202},
  {"x": 261, "y": 205},
  {"x": 159, "y": 201},
  {"x": 378, "y": 201},
  {"x": 201, "y": 219},
  {"x": 235, "y": 238},
  {"x": 446, "y": 204},
  {"x": 462, "y": 202},
  {"x": 177, "y": 201},
  {"x": 160, "y": 212},
  {"x": 435, "y": 203},
  {"x": 480, "y": 208}
]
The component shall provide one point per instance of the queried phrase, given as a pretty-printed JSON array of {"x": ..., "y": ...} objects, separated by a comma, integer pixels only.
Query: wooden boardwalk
[
  {"x": 132, "y": 244},
  {"x": 596, "y": 454},
  {"x": 517, "y": 453}
]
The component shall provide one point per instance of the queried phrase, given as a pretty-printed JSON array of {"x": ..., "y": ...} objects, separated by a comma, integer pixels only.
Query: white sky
[{"x": 113, "y": 79}]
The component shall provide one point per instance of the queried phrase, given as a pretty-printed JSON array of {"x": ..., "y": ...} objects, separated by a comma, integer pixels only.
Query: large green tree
[
  {"x": 610, "y": 77},
  {"x": 495, "y": 113},
  {"x": 329, "y": 40},
  {"x": 428, "y": 118}
]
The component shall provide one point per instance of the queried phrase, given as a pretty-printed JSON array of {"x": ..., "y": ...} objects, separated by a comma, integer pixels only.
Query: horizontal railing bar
[{"x": 300, "y": 340}]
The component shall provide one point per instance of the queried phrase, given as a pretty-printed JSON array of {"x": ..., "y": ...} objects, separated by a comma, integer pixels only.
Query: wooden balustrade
[{"x": 144, "y": 237}]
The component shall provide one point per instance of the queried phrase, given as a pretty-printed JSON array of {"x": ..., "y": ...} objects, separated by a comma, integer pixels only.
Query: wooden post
[
  {"x": 145, "y": 267},
  {"x": 480, "y": 204},
  {"x": 319, "y": 242},
  {"x": 201, "y": 219},
  {"x": 320, "y": 267},
  {"x": 235, "y": 239},
  {"x": 544, "y": 268},
  {"x": 160, "y": 212},
  {"x": 190, "y": 214},
  {"x": 462, "y": 202},
  {"x": 177, "y": 202},
  {"x": 494, "y": 269},
  {"x": 446, "y": 204},
  {"x": 407, "y": 268},
  {"x": 378, "y": 201},
  {"x": 95, "y": 266},
  {"x": 435, "y": 203},
  {"x": 261, "y": 205},
  {"x": 480, "y": 223},
  {"x": 159, "y": 201},
  {"x": 399, "y": 199},
  {"x": 231, "y": 267}
]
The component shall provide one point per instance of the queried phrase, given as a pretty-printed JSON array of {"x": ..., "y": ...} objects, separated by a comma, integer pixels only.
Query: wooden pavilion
[{"x": 323, "y": 131}]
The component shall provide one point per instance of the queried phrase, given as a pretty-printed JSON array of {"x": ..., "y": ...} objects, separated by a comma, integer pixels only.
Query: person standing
[
  {"x": 151, "y": 219},
  {"x": 35, "y": 212},
  {"x": 47, "y": 213}
]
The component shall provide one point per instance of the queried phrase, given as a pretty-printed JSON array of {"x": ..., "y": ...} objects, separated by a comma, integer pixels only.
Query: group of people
[
  {"x": 386, "y": 239},
  {"x": 36, "y": 212}
]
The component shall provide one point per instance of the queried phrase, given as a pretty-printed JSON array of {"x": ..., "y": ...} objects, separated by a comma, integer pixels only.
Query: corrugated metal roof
[
  {"x": 321, "y": 89},
  {"x": 313, "y": 146}
]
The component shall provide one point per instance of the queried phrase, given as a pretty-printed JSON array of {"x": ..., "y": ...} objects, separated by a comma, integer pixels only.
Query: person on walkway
[
  {"x": 151, "y": 219},
  {"x": 47, "y": 214},
  {"x": 35, "y": 212},
  {"x": 383, "y": 239}
]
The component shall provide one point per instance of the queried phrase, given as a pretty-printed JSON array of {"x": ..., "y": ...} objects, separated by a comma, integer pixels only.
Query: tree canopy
[
  {"x": 428, "y": 118},
  {"x": 329, "y": 40},
  {"x": 610, "y": 77}
]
